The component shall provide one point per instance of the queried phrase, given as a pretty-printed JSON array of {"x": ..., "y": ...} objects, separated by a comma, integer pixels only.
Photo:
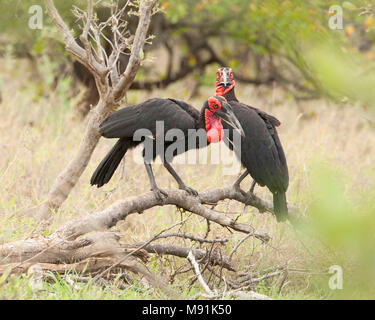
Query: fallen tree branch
[
  {"x": 90, "y": 265},
  {"x": 249, "y": 280},
  {"x": 135, "y": 251},
  {"x": 64, "y": 250},
  {"x": 63, "y": 245},
  {"x": 192, "y": 238},
  {"x": 182, "y": 252},
  {"x": 121, "y": 209}
]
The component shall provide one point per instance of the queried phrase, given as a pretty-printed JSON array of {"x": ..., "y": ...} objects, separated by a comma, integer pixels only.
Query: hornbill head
[
  {"x": 217, "y": 109},
  {"x": 224, "y": 80}
]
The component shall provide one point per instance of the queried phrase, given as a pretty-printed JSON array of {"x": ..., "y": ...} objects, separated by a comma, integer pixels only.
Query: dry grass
[{"x": 39, "y": 136}]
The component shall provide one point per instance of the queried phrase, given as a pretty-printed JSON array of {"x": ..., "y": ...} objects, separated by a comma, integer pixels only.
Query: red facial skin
[
  {"x": 219, "y": 89},
  {"x": 214, "y": 127}
]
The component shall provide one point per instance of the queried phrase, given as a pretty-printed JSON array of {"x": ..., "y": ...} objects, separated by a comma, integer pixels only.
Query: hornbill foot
[
  {"x": 160, "y": 195},
  {"x": 189, "y": 190}
]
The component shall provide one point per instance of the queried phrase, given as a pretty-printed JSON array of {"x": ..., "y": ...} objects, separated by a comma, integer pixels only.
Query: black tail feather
[
  {"x": 280, "y": 206},
  {"x": 109, "y": 164}
]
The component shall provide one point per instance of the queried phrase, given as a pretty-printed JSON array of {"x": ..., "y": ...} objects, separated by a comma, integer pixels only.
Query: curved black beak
[{"x": 226, "y": 113}]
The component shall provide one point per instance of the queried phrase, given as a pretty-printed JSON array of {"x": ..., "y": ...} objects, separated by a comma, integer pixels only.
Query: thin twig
[
  {"x": 186, "y": 236},
  {"x": 192, "y": 260},
  {"x": 238, "y": 245}
]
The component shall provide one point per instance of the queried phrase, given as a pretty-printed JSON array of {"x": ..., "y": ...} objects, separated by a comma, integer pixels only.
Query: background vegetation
[{"x": 317, "y": 81}]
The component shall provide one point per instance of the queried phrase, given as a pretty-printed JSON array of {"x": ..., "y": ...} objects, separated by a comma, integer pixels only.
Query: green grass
[{"x": 57, "y": 288}]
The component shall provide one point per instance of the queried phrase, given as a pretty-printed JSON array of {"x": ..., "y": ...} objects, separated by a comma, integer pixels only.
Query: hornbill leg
[
  {"x": 239, "y": 180},
  {"x": 237, "y": 183},
  {"x": 252, "y": 186},
  {"x": 181, "y": 184},
  {"x": 158, "y": 192}
]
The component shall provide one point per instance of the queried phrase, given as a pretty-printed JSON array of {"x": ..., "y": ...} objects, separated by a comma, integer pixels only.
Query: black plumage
[
  {"x": 173, "y": 114},
  {"x": 261, "y": 151}
]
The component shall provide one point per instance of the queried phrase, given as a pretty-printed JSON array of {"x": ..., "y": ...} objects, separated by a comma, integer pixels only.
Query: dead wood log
[
  {"x": 65, "y": 246},
  {"x": 89, "y": 242},
  {"x": 90, "y": 265}
]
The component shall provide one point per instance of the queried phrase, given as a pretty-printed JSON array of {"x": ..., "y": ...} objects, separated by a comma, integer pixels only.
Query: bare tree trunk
[
  {"x": 112, "y": 85},
  {"x": 68, "y": 178}
]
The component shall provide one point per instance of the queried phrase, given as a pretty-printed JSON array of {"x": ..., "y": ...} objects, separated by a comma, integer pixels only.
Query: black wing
[
  {"x": 125, "y": 122},
  {"x": 261, "y": 150},
  {"x": 271, "y": 120}
]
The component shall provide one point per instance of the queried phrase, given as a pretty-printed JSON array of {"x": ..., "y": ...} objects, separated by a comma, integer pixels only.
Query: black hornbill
[
  {"x": 261, "y": 151},
  {"x": 174, "y": 114}
]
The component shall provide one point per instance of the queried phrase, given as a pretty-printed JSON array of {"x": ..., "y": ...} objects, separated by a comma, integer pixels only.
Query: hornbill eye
[{"x": 216, "y": 106}]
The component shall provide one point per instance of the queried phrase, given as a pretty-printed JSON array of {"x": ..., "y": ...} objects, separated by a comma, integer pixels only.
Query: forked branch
[{"x": 111, "y": 84}]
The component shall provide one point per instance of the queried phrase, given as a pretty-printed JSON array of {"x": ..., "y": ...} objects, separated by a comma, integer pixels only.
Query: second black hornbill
[
  {"x": 261, "y": 152},
  {"x": 127, "y": 123}
]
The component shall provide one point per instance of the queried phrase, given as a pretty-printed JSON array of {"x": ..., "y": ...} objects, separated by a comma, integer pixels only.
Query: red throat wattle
[
  {"x": 221, "y": 91},
  {"x": 214, "y": 128}
]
